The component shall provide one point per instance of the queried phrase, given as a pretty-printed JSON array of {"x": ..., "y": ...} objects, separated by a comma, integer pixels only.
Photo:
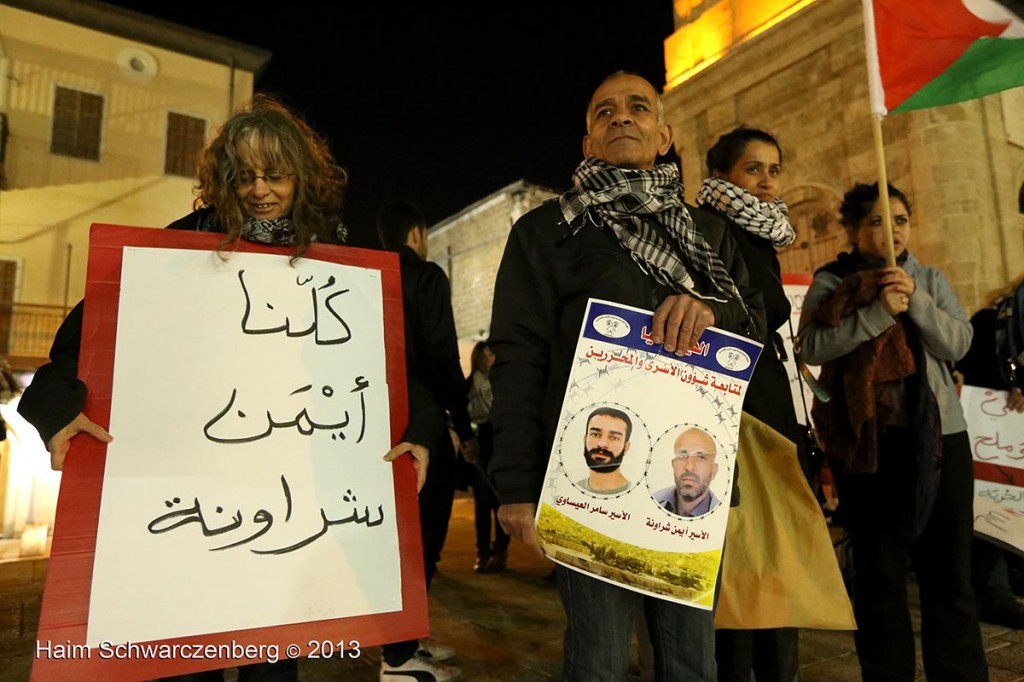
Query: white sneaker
[
  {"x": 434, "y": 652},
  {"x": 418, "y": 669}
]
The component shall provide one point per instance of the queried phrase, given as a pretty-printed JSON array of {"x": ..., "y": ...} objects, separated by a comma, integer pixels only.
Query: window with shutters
[
  {"x": 185, "y": 137},
  {"x": 77, "y": 124}
]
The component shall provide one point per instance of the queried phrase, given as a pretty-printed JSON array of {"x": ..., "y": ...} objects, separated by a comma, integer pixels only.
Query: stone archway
[{"x": 814, "y": 213}]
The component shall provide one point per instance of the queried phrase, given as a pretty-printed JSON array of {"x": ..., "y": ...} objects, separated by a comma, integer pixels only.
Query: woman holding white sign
[
  {"x": 897, "y": 442},
  {"x": 266, "y": 177}
]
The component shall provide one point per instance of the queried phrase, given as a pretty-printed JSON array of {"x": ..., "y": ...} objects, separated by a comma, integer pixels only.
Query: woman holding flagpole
[{"x": 897, "y": 442}]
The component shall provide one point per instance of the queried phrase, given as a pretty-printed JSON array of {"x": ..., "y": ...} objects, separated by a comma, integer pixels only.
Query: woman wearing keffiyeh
[
  {"x": 744, "y": 168},
  {"x": 266, "y": 177}
]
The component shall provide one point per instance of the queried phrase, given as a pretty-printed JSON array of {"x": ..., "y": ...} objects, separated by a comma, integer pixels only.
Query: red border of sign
[
  {"x": 804, "y": 278},
  {"x": 65, "y": 607}
]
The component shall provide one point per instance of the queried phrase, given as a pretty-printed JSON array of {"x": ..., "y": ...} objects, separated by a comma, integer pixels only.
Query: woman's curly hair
[
  {"x": 859, "y": 201},
  {"x": 266, "y": 134}
]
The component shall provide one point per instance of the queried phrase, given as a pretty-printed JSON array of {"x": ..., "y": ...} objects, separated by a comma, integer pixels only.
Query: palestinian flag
[{"x": 924, "y": 53}]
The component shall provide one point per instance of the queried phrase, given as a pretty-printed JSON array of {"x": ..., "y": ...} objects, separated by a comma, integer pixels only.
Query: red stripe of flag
[{"x": 919, "y": 39}]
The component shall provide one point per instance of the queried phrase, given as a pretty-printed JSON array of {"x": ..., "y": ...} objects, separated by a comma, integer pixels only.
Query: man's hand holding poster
[{"x": 637, "y": 489}]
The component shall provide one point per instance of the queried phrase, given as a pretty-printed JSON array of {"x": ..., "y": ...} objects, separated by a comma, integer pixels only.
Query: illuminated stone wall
[
  {"x": 706, "y": 30},
  {"x": 805, "y": 80},
  {"x": 469, "y": 246}
]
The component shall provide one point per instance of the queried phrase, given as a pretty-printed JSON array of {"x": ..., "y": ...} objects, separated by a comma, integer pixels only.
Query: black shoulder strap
[{"x": 1010, "y": 336}]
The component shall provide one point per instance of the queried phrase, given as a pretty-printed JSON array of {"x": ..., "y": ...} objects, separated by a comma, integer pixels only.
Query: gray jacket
[{"x": 941, "y": 321}]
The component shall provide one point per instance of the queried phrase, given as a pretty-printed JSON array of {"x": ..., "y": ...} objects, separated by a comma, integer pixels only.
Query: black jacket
[
  {"x": 768, "y": 392},
  {"x": 980, "y": 366},
  {"x": 431, "y": 344},
  {"x": 540, "y": 297}
]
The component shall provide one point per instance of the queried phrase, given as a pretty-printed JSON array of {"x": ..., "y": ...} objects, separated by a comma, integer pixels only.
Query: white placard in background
[{"x": 997, "y": 445}]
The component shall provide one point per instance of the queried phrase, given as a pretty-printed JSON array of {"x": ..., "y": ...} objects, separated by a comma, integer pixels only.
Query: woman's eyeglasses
[{"x": 273, "y": 179}]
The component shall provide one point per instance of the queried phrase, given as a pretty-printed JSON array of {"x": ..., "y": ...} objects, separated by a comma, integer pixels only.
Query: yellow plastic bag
[{"x": 779, "y": 568}]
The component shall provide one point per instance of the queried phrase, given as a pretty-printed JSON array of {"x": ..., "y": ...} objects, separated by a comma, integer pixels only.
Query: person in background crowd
[
  {"x": 490, "y": 558},
  {"x": 266, "y": 177},
  {"x": 897, "y": 442},
  {"x": 745, "y": 169},
  {"x": 992, "y": 362},
  {"x": 432, "y": 357}
]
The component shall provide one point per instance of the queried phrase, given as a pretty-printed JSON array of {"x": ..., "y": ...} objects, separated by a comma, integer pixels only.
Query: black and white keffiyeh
[
  {"x": 279, "y": 232},
  {"x": 767, "y": 220},
  {"x": 627, "y": 201},
  {"x": 275, "y": 231}
]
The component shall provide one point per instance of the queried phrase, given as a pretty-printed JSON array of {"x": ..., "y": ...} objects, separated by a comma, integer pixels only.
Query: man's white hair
[{"x": 659, "y": 105}]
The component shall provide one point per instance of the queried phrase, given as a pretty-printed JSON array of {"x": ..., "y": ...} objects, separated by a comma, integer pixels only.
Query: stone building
[
  {"x": 798, "y": 69},
  {"x": 469, "y": 245}
]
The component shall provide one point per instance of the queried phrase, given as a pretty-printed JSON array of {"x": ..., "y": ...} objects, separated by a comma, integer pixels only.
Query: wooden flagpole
[{"x": 883, "y": 190}]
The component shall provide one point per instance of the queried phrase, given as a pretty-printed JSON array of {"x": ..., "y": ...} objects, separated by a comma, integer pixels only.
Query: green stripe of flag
[{"x": 987, "y": 66}]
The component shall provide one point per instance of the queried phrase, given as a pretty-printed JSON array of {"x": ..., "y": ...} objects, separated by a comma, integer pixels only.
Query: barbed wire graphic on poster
[{"x": 641, "y": 470}]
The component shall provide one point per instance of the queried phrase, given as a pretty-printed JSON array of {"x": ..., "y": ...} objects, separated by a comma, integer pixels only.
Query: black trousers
[
  {"x": 435, "y": 501},
  {"x": 485, "y": 499},
  {"x": 771, "y": 654},
  {"x": 877, "y": 510}
]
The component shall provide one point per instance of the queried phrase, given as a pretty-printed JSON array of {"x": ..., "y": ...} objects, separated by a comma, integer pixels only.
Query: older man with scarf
[{"x": 623, "y": 234}]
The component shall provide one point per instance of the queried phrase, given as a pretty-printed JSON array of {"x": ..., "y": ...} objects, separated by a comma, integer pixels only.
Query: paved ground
[{"x": 506, "y": 627}]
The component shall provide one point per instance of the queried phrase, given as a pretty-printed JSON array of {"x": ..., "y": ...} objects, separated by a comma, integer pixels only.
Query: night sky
[{"x": 438, "y": 107}]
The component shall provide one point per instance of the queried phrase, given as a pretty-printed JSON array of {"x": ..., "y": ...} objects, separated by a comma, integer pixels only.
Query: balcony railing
[{"x": 26, "y": 332}]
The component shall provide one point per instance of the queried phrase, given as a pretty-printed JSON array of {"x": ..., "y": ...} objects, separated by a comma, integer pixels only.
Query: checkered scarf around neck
[
  {"x": 766, "y": 220},
  {"x": 279, "y": 232},
  {"x": 627, "y": 201}
]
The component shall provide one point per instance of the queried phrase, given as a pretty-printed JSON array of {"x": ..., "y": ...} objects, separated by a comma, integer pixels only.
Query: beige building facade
[
  {"x": 798, "y": 69},
  {"x": 469, "y": 246},
  {"x": 102, "y": 111}
]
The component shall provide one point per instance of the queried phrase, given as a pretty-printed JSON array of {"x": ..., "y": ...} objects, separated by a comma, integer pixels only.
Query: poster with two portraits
[{"x": 641, "y": 470}]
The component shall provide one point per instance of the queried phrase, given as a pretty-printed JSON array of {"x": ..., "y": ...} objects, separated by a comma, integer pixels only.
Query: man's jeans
[{"x": 600, "y": 629}]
